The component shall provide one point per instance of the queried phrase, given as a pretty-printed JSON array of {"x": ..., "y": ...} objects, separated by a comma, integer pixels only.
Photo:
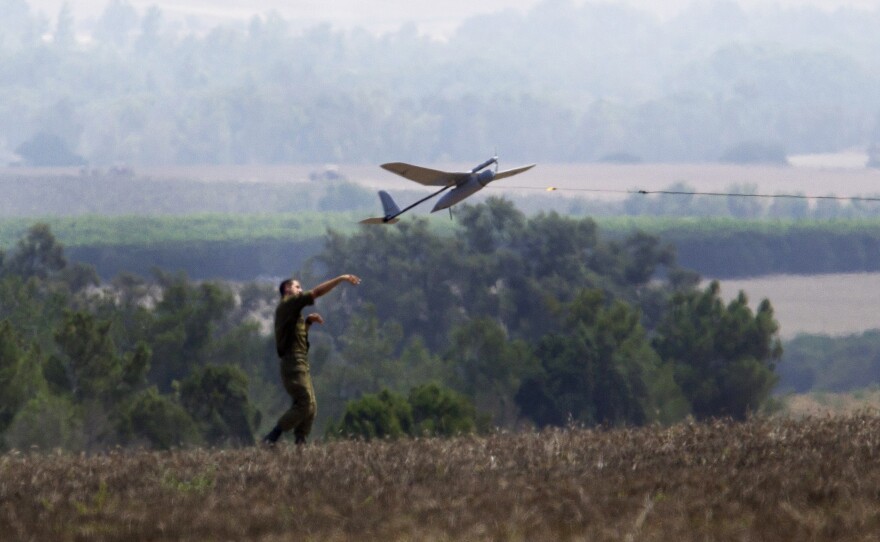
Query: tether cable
[{"x": 688, "y": 193}]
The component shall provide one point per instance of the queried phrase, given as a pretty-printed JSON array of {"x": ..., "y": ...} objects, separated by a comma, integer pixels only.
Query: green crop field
[
  {"x": 93, "y": 230},
  {"x": 130, "y": 230}
]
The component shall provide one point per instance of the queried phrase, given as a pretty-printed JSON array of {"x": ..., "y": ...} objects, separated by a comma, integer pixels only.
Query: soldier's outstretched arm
[{"x": 325, "y": 287}]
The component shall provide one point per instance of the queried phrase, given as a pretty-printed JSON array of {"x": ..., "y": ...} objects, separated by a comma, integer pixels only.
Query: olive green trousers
[{"x": 298, "y": 383}]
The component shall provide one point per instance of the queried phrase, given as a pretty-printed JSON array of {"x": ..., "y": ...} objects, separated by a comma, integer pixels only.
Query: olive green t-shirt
[{"x": 291, "y": 335}]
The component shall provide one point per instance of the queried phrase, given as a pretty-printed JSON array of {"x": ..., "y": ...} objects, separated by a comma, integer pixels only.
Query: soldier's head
[{"x": 289, "y": 287}]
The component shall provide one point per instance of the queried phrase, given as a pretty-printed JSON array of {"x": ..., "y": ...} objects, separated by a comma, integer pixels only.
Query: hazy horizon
[
  {"x": 430, "y": 17},
  {"x": 563, "y": 81}
]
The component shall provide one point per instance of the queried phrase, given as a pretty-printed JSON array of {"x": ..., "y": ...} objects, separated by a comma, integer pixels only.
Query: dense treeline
[
  {"x": 770, "y": 247},
  {"x": 515, "y": 321},
  {"x": 715, "y": 83},
  {"x": 243, "y": 230},
  {"x": 258, "y": 247},
  {"x": 831, "y": 364}
]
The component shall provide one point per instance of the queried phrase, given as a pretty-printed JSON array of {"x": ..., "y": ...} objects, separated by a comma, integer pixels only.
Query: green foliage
[
  {"x": 37, "y": 254},
  {"x": 430, "y": 410},
  {"x": 90, "y": 362},
  {"x": 216, "y": 397},
  {"x": 239, "y": 247},
  {"x": 830, "y": 364},
  {"x": 97, "y": 351},
  {"x": 488, "y": 367},
  {"x": 382, "y": 415},
  {"x": 183, "y": 324},
  {"x": 599, "y": 369},
  {"x": 137, "y": 230},
  {"x": 722, "y": 247},
  {"x": 157, "y": 421},
  {"x": 439, "y": 411},
  {"x": 501, "y": 265},
  {"x": 514, "y": 318},
  {"x": 47, "y": 422},
  {"x": 20, "y": 376},
  {"x": 723, "y": 357}
]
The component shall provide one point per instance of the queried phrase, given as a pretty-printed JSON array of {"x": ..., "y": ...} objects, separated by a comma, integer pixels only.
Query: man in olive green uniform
[{"x": 292, "y": 343}]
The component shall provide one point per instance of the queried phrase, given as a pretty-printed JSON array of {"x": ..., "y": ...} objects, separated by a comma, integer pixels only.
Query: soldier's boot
[{"x": 272, "y": 437}]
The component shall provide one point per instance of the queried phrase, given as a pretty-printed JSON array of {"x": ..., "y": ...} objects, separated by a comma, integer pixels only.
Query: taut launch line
[{"x": 689, "y": 193}]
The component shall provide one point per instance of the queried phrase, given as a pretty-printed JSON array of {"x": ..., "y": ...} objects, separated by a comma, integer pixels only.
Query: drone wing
[
  {"x": 511, "y": 172},
  {"x": 425, "y": 176}
]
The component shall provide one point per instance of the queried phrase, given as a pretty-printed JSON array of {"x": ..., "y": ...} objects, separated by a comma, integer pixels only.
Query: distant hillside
[{"x": 141, "y": 87}]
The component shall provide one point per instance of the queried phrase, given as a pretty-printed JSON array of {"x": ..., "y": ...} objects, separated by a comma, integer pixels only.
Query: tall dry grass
[{"x": 808, "y": 479}]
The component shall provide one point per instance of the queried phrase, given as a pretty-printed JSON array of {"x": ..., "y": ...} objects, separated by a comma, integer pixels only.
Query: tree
[
  {"x": 382, "y": 415},
  {"x": 158, "y": 421},
  {"x": 116, "y": 22},
  {"x": 373, "y": 345},
  {"x": 430, "y": 410},
  {"x": 643, "y": 255},
  {"x": 416, "y": 274},
  {"x": 488, "y": 367},
  {"x": 37, "y": 254},
  {"x": 491, "y": 226},
  {"x": 89, "y": 363},
  {"x": 47, "y": 421},
  {"x": 183, "y": 325},
  {"x": 216, "y": 397},
  {"x": 441, "y": 411},
  {"x": 46, "y": 150},
  {"x": 20, "y": 376},
  {"x": 723, "y": 357},
  {"x": 599, "y": 369}
]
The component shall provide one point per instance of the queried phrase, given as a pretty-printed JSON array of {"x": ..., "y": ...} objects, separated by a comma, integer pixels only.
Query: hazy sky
[{"x": 431, "y": 16}]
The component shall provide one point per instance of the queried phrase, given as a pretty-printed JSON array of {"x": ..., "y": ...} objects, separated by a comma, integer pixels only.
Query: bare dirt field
[
  {"x": 819, "y": 404},
  {"x": 835, "y": 304},
  {"x": 604, "y": 182},
  {"x": 809, "y": 176}
]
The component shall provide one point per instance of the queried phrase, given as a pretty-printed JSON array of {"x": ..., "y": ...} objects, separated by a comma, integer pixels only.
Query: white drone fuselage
[{"x": 475, "y": 183}]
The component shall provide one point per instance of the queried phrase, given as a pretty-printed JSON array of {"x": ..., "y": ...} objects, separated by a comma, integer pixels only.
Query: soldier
[{"x": 292, "y": 343}]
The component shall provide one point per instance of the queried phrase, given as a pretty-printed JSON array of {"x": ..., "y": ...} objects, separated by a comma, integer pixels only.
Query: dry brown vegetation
[{"x": 766, "y": 479}]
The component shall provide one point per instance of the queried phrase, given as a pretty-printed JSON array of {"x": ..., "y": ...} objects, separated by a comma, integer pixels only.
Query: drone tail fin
[{"x": 389, "y": 207}]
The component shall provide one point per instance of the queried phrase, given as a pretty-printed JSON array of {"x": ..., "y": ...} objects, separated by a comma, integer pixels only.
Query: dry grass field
[{"x": 767, "y": 479}]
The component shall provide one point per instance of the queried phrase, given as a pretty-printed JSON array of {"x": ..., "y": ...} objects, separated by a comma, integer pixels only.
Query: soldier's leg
[
  {"x": 298, "y": 386},
  {"x": 302, "y": 430}
]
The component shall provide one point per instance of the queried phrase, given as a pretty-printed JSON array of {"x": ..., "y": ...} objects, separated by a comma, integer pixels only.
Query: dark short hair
[{"x": 283, "y": 285}]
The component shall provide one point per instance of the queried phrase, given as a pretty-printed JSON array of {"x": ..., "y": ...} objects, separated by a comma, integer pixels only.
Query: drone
[{"x": 461, "y": 185}]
